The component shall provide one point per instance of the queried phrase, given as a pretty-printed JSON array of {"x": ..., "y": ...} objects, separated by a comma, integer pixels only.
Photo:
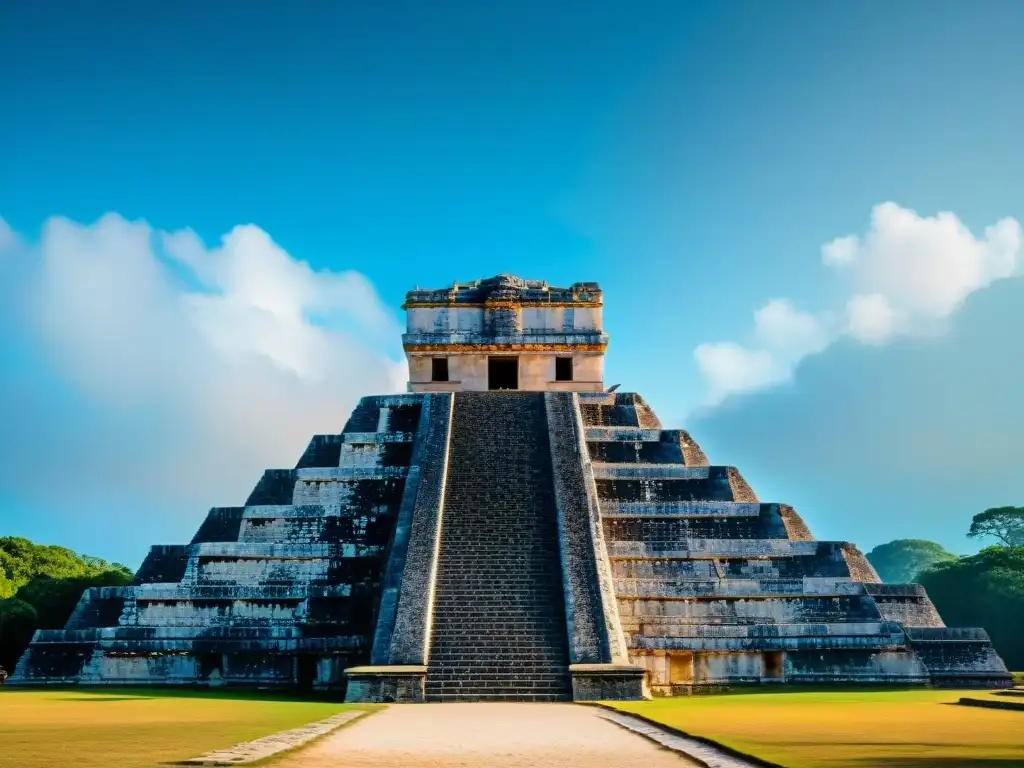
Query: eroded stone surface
[
  {"x": 284, "y": 591},
  {"x": 715, "y": 587}
]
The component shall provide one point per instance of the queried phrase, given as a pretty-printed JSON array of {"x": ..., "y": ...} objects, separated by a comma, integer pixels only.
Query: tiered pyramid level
[
  {"x": 538, "y": 545},
  {"x": 280, "y": 592},
  {"x": 716, "y": 588}
]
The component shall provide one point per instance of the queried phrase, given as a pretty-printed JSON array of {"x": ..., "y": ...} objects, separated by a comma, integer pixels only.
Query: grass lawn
[
  {"x": 849, "y": 729},
  {"x": 1018, "y": 678},
  {"x": 138, "y": 728}
]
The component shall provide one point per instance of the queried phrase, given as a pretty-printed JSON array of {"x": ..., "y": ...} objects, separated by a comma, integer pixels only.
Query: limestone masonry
[{"x": 506, "y": 530}]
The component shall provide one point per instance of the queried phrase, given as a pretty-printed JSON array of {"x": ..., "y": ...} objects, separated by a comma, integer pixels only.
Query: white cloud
[
  {"x": 784, "y": 336},
  {"x": 729, "y": 368},
  {"x": 788, "y": 333},
  {"x": 905, "y": 276},
  {"x": 206, "y": 364},
  {"x": 870, "y": 318},
  {"x": 842, "y": 250},
  {"x": 927, "y": 266}
]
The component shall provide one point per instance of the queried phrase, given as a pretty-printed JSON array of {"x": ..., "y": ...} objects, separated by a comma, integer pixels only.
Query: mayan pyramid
[{"x": 508, "y": 529}]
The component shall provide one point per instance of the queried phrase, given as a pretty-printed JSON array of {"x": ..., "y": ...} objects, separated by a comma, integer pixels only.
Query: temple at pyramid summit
[{"x": 509, "y": 528}]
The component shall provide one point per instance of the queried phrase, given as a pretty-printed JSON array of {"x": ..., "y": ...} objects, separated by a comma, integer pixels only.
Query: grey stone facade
[
  {"x": 282, "y": 592},
  {"x": 717, "y": 588},
  {"x": 538, "y": 545}
]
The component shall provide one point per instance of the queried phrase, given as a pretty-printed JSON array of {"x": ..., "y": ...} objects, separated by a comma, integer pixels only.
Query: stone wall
[
  {"x": 468, "y": 371},
  {"x": 507, "y": 316},
  {"x": 403, "y": 630},
  {"x": 595, "y": 636}
]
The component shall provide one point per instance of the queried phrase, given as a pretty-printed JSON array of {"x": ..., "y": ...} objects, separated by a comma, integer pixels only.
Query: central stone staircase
[{"x": 499, "y": 614}]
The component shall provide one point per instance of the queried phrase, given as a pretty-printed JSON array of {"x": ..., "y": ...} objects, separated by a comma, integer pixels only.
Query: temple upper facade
[{"x": 505, "y": 333}]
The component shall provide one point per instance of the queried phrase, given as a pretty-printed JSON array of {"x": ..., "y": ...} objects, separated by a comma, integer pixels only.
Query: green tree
[
  {"x": 1006, "y": 524},
  {"x": 984, "y": 590},
  {"x": 903, "y": 560},
  {"x": 21, "y": 560},
  {"x": 39, "y": 588}
]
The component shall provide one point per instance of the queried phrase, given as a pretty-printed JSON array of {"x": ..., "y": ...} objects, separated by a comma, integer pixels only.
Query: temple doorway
[
  {"x": 306, "y": 670},
  {"x": 503, "y": 372},
  {"x": 774, "y": 665}
]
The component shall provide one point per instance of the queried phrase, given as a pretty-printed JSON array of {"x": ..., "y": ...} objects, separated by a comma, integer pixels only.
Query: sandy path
[{"x": 484, "y": 736}]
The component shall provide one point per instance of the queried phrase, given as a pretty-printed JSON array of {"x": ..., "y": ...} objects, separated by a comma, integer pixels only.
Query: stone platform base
[
  {"x": 607, "y": 682},
  {"x": 384, "y": 685}
]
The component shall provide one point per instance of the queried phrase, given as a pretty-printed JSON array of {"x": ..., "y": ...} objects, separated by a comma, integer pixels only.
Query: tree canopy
[
  {"x": 901, "y": 561},
  {"x": 39, "y": 588},
  {"x": 21, "y": 561},
  {"x": 1005, "y": 524},
  {"x": 984, "y": 590}
]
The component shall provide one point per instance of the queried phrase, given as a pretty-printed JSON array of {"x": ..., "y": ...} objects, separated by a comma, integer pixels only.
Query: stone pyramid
[{"x": 508, "y": 529}]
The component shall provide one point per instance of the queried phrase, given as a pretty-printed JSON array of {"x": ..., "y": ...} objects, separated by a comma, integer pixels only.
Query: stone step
[
  {"x": 499, "y": 653},
  {"x": 492, "y": 602},
  {"x": 497, "y": 634},
  {"x": 502, "y": 590},
  {"x": 498, "y": 650},
  {"x": 495, "y": 656},
  {"x": 499, "y": 667},
  {"x": 499, "y": 619},
  {"x": 509, "y": 592},
  {"x": 488, "y": 595},
  {"x": 467, "y": 697},
  {"x": 498, "y": 616},
  {"x": 494, "y": 666},
  {"x": 466, "y": 624},
  {"x": 488, "y": 654},
  {"x": 469, "y": 622},
  {"x": 462, "y": 671},
  {"x": 539, "y": 648},
  {"x": 498, "y": 687}
]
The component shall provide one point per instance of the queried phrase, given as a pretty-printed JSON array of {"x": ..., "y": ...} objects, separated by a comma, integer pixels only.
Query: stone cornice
[
  {"x": 523, "y": 304},
  {"x": 507, "y": 347}
]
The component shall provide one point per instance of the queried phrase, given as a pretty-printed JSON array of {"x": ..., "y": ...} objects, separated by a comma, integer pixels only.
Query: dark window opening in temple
[
  {"x": 774, "y": 665},
  {"x": 503, "y": 373},
  {"x": 439, "y": 369},
  {"x": 210, "y": 664},
  {"x": 563, "y": 369},
  {"x": 305, "y": 671}
]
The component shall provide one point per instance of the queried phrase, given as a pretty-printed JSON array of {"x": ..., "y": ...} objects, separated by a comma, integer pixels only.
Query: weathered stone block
[
  {"x": 386, "y": 684},
  {"x": 607, "y": 682}
]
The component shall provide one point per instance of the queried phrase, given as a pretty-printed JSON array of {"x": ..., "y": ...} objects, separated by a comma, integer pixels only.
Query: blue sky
[{"x": 693, "y": 158}]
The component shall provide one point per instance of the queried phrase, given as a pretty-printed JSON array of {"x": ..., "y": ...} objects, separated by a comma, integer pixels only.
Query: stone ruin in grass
[{"x": 508, "y": 529}]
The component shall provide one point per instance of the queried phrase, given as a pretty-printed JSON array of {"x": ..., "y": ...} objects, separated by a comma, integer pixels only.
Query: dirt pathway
[{"x": 484, "y": 736}]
